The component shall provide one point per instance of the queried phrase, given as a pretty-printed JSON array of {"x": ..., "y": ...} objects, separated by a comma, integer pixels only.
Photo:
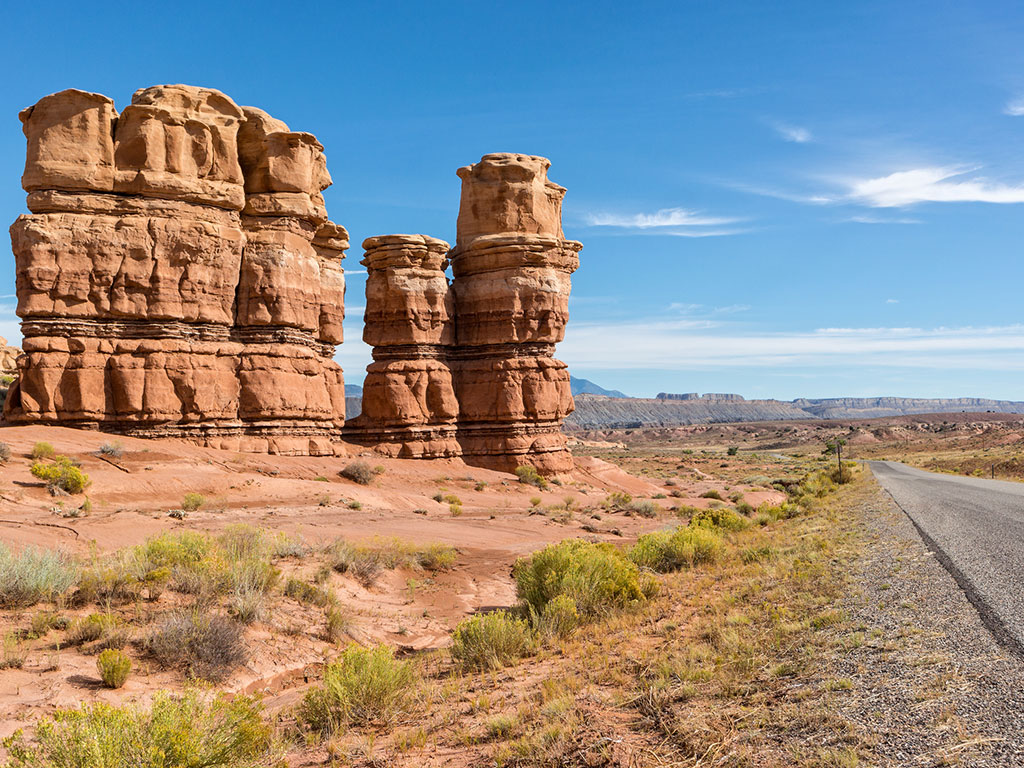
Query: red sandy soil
[{"x": 132, "y": 495}]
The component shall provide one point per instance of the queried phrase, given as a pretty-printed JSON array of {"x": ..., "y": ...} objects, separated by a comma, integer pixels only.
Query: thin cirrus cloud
[
  {"x": 1014, "y": 107},
  {"x": 675, "y": 222},
  {"x": 793, "y": 133},
  {"x": 680, "y": 344}
]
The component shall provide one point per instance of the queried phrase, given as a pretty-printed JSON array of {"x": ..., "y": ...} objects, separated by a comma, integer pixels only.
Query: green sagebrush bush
[
  {"x": 492, "y": 640},
  {"x": 365, "y": 686},
  {"x": 33, "y": 575},
  {"x": 61, "y": 475},
  {"x": 114, "y": 667},
  {"x": 665, "y": 551},
  {"x": 190, "y": 730},
  {"x": 597, "y": 577}
]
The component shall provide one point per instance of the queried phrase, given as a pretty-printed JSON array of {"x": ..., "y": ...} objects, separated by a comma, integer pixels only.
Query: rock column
[
  {"x": 409, "y": 407},
  {"x": 128, "y": 263},
  {"x": 512, "y": 267},
  {"x": 178, "y": 274}
]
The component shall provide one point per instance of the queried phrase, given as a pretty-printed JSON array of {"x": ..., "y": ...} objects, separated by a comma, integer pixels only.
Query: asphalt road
[{"x": 975, "y": 527}]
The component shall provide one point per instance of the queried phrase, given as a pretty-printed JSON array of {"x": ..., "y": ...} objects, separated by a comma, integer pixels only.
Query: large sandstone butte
[
  {"x": 178, "y": 274},
  {"x": 490, "y": 336}
]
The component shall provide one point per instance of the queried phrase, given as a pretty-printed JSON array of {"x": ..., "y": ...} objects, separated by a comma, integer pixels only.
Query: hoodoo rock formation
[
  {"x": 169, "y": 276},
  {"x": 512, "y": 266},
  {"x": 409, "y": 406},
  {"x": 178, "y": 276},
  {"x": 468, "y": 368}
]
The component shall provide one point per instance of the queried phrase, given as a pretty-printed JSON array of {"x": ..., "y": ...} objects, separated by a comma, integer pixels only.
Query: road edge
[{"x": 1003, "y": 637}]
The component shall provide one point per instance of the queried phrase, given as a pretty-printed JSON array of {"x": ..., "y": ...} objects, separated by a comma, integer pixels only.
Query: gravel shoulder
[{"x": 929, "y": 685}]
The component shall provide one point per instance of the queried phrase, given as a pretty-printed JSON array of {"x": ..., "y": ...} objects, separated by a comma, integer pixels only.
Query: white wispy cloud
[
  {"x": 1014, "y": 107},
  {"x": 892, "y": 301},
  {"x": 665, "y": 217},
  {"x": 793, "y": 133},
  {"x": 881, "y": 220},
  {"x": 675, "y": 344},
  {"x": 932, "y": 185}
]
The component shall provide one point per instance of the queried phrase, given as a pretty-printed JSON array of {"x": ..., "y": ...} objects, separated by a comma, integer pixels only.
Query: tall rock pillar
[
  {"x": 292, "y": 395},
  {"x": 512, "y": 267},
  {"x": 409, "y": 407}
]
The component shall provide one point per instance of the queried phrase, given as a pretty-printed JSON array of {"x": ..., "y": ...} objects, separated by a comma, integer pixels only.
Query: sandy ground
[{"x": 131, "y": 497}]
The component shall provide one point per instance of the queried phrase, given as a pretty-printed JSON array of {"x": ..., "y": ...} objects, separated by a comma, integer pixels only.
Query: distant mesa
[
  {"x": 178, "y": 276},
  {"x": 710, "y": 396}
]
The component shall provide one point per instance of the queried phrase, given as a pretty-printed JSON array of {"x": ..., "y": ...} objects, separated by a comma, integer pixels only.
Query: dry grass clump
[
  {"x": 33, "y": 575},
  {"x": 190, "y": 730},
  {"x": 192, "y": 501},
  {"x": 5, "y": 453},
  {"x": 98, "y": 630},
  {"x": 114, "y": 450},
  {"x": 42, "y": 450},
  {"x": 598, "y": 578},
  {"x": 204, "y": 645},
  {"x": 114, "y": 668},
  {"x": 666, "y": 551},
  {"x": 13, "y": 651},
  {"x": 643, "y": 508},
  {"x": 491, "y": 641},
  {"x": 712, "y": 495},
  {"x": 359, "y": 472},
  {"x": 365, "y": 686},
  {"x": 720, "y": 518},
  {"x": 366, "y": 561}
]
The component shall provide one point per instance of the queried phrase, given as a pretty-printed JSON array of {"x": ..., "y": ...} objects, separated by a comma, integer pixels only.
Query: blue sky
[{"x": 776, "y": 199}]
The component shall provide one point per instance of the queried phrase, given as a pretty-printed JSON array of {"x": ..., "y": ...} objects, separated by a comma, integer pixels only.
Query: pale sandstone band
[{"x": 178, "y": 275}]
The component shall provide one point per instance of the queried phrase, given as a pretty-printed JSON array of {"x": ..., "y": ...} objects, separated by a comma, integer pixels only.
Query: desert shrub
[
  {"x": 248, "y": 596},
  {"x": 114, "y": 667},
  {"x": 336, "y": 624},
  {"x": 358, "y": 472},
  {"x": 597, "y": 577},
  {"x": 850, "y": 470},
  {"x": 5, "y": 453},
  {"x": 665, "y": 551},
  {"x": 203, "y": 645},
  {"x": 617, "y": 500},
  {"x": 436, "y": 557},
  {"x": 114, "y": 450},
  {"x": 355, "y": 505},
  {"x": 438, "y": 497},
  {"x": 104, "y": 629},
  {"x": 13, "y": 651},
  {"x": 529, "y": 476},
  {"x": 282, "y": 546},
  {"x": 711, "y": 495},
  {"x": 42, "y": 622},
  {"x": 42, "y": 451},
  {"x": 735, "y": 496},
  {"x": 744, "y": 508},
  {"x": 308, "y": 593},
  {"x": 643, "y": 508},
  {"x": 559, "y": 619},
  {"x": 192, "y": 501},
  {"x": 491, "y": 640},
  {"x": 451, "y": 498},
  {"x": 722, "y": 518},
  {"x": 188, "y": 731},
  {"x": 733, "y": 450},
  {"x": 61, "y": 475},
  {"x": 33, "y": 575},
  {"x": 365, "y": 565},
  {"x": 480, "y": 486},
  {"x": 455, "y": 510},
  {"x": 365, "y": 686},
  {"x": 536, "y": 501},
  {"x": 771, "y": 512}
]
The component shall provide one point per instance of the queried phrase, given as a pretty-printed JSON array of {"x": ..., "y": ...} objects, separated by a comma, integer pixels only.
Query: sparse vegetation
[
  {"x": 114, "y": 450},
  {"x": 42, "y": 450},
  {"x": 529, "y": 476},
  {"x": 665, "y": 551},
  {"x": 491, "y": 640},
  {"x": 33, "y": 575},
  {"x": 5, "y": 453},
  {"x": 721, "y": 518},
  {"x": 114, "y": 667},
  {"x": 190, "y": 730},
  {"x": 204, "y": 645},
  {"x": 61, "y": 476},
  {"x": 365, "y": 686},
  {"x": 598, "y": 578},
  {"x": 192, "y": 501},
  {"x": 712, "y": 494},
  {"x": 358, "y": 472}
]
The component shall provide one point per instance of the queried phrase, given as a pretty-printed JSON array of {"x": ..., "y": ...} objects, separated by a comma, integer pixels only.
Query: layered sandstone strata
[
  {"x": 409, "y": 407},
  {"x": 512, "y": 267},
  {"x": 167, "y": 277}
]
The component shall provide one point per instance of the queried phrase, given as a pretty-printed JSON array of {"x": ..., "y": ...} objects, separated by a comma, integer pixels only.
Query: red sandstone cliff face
[{"x": 173, "y": 273}]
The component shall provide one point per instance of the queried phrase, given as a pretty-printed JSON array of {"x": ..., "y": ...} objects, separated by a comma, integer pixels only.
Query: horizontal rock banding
[{"x": 166, "y": 289}]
